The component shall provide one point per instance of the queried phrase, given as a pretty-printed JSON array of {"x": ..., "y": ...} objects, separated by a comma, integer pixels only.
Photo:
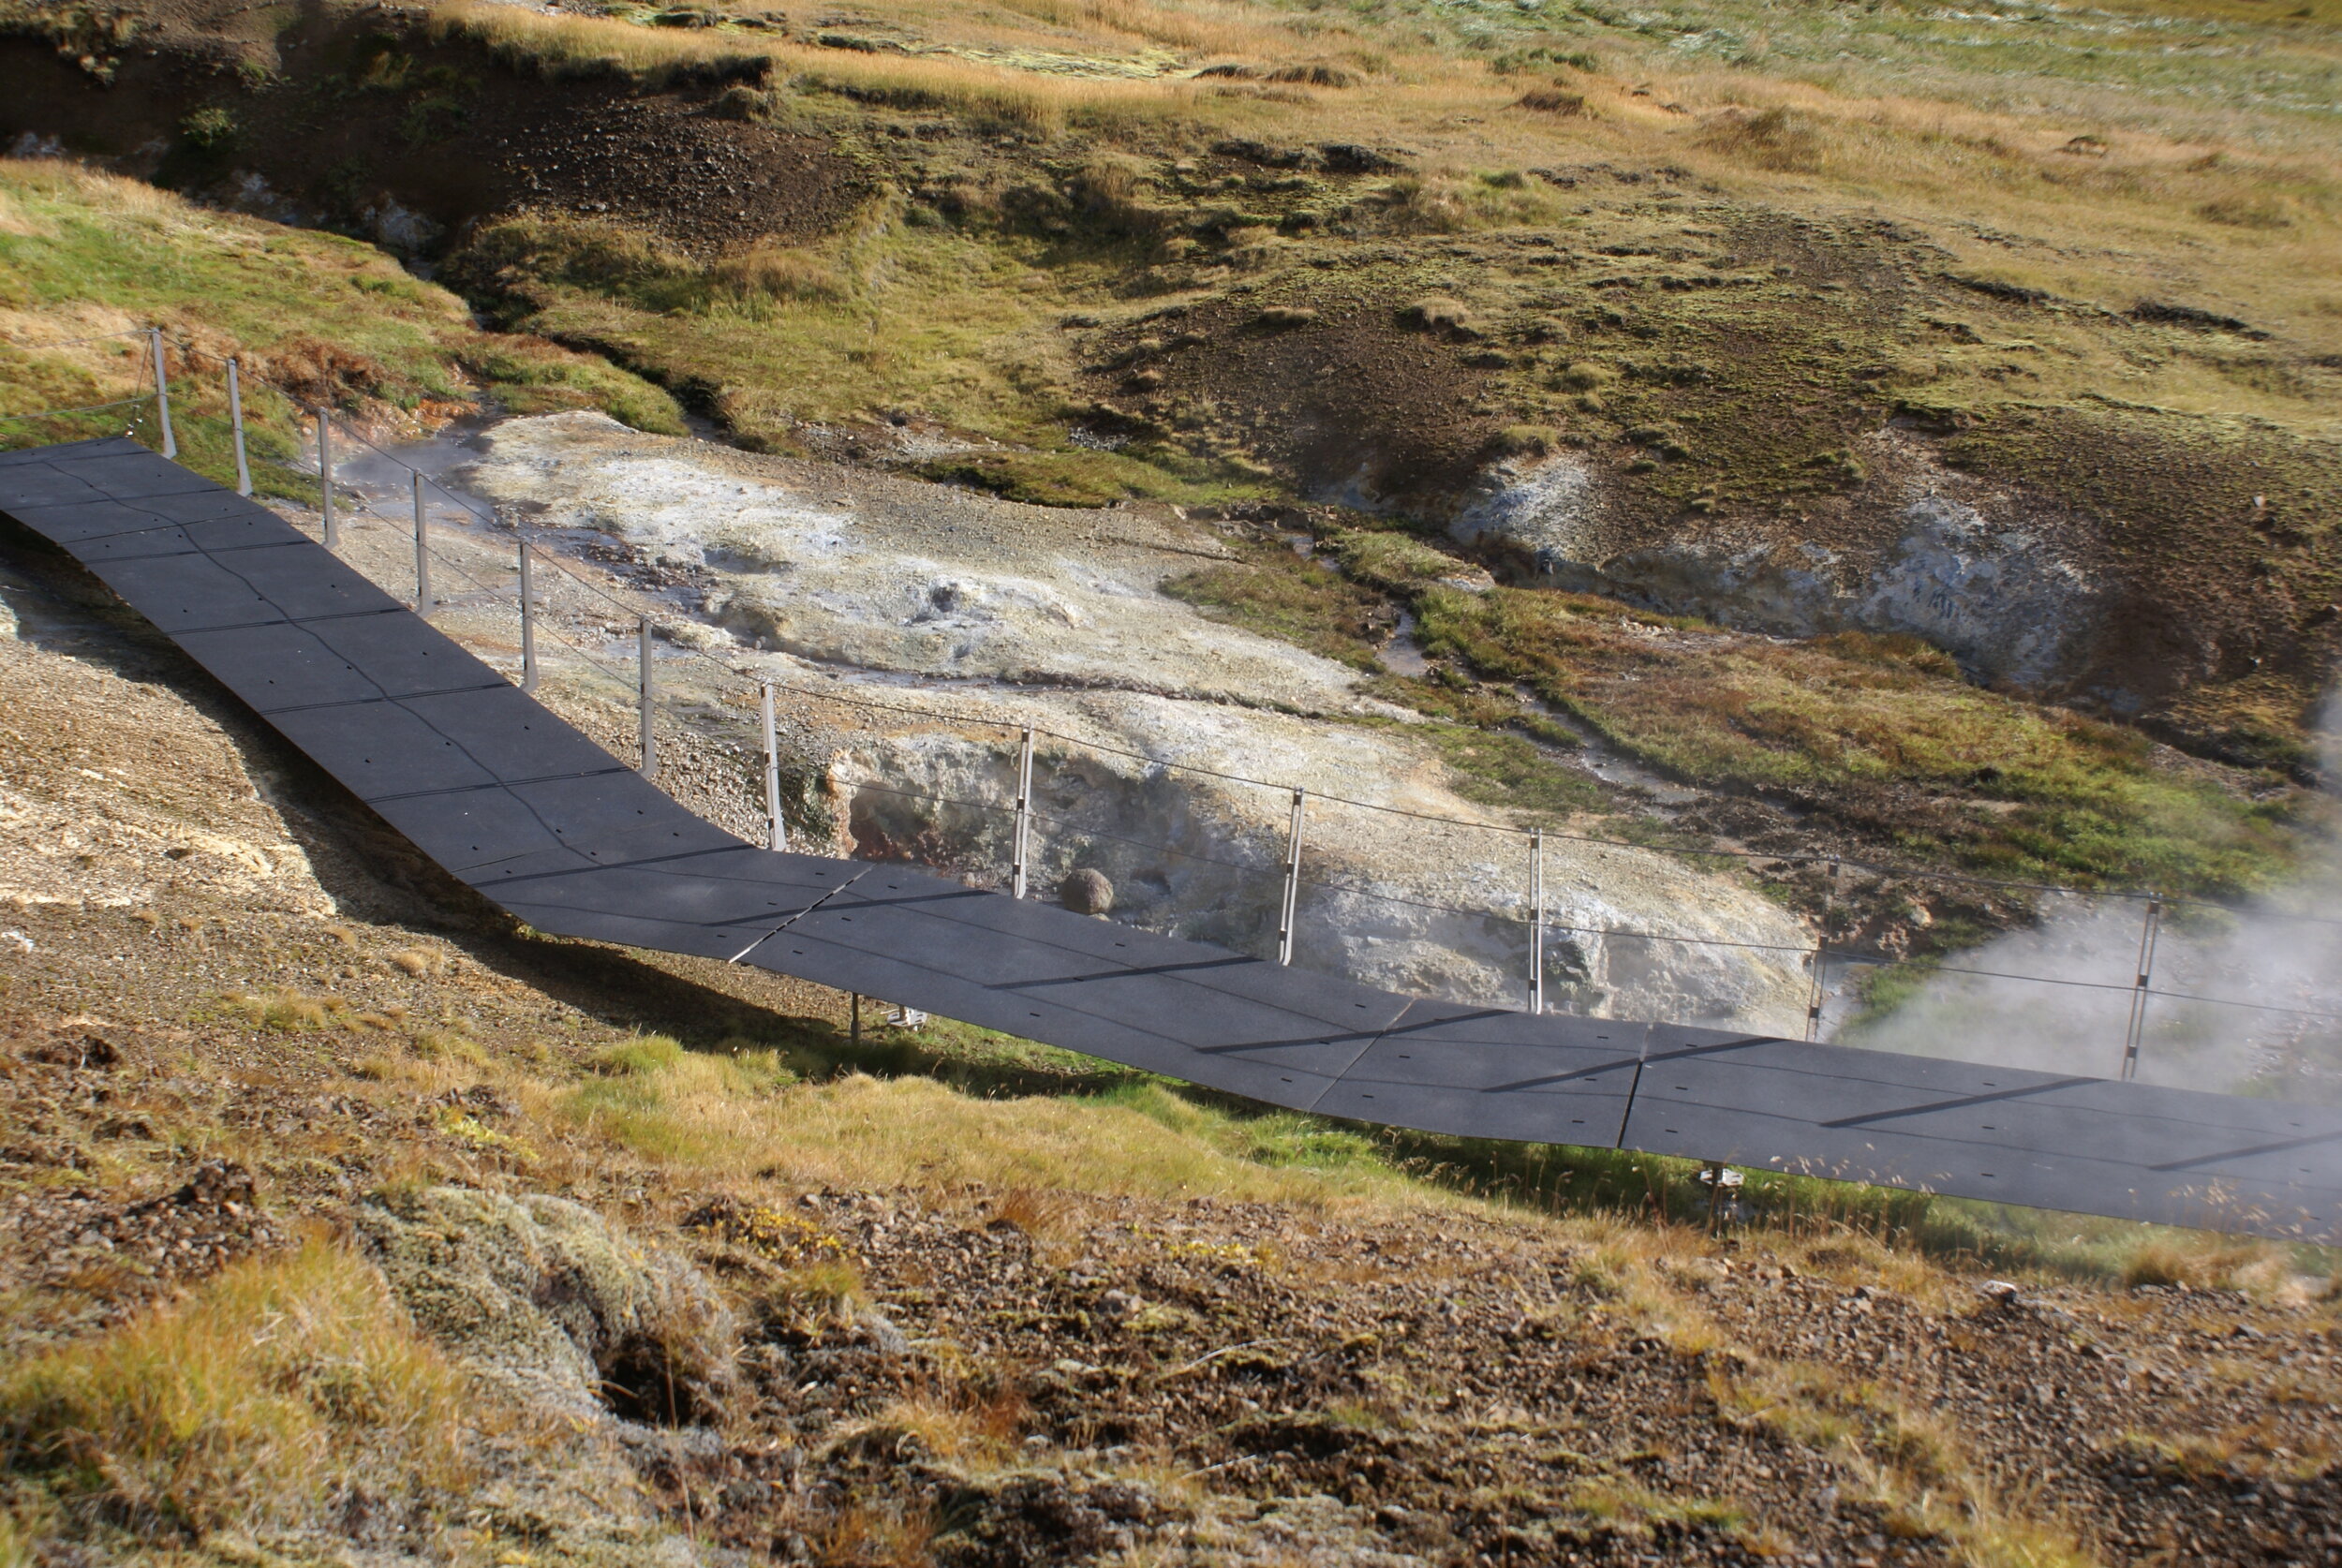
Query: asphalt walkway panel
[{"x": 1479, "y": 1072}]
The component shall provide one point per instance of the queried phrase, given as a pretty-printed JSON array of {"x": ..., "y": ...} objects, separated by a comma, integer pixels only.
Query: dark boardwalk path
[{"x": 517, "y": 803}]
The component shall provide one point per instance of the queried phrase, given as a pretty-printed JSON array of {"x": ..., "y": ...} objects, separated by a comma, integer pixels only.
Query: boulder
[{"x": 1085, "y": 891}]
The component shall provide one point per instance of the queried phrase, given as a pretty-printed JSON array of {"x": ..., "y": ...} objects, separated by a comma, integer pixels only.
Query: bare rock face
[
  {"x": 1087, "y": 892},
  {"x": 2003, "y": 594},
  {"x": 889, "y": 573}
]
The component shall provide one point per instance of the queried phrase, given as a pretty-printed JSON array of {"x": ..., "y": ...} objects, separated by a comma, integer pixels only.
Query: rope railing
[
  {"x": 1169, "y": 764},
  {"x": 1878, "y": 868},
  {"x": 94, "y": 337},
  {"x": 84, "y": 408},
  {"x": 742, "y": 684},
  {"x": 1820, "y": 956}
]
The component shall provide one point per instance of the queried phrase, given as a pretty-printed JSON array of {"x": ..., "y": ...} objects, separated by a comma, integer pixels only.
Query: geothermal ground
[{"x": 854, "y": 588}]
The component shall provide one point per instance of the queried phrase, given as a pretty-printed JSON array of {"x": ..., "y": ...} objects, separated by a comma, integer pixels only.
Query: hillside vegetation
[{"x": 313, "y": 320}]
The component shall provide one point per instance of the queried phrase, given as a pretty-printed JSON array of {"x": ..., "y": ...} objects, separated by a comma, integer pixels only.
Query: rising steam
[{"x": 2283, "y": 954}]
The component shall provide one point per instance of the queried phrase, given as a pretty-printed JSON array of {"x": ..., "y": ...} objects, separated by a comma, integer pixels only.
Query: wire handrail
[
  {"x": 74, "y": 342},
  {"x": 1821, "y": 953},
  {"x": 1877, "y": 869}
]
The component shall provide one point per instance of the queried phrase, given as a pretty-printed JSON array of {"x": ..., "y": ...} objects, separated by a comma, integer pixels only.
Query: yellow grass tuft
[
  {"x": 450, "y": 1047},
  {"x": 286, "y": 1010},
  {"x": 962, "y": 1429},
  {"x": 284, "y": 1382},
  {"x": 717, "y": 1118},
  {"x": 778, "y": 273},
  {"x": 2222, "y": 1264}
]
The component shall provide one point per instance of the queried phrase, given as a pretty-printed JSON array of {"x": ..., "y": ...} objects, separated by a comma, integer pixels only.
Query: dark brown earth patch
[{"x": 365, "y": 119}]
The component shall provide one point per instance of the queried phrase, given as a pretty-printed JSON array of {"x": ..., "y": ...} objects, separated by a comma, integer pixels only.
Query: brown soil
[
  {"x": 1347, "y": 400},
  {"x": 362, "y": 110}
]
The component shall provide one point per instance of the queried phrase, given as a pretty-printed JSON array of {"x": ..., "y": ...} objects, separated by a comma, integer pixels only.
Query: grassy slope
[
  {"x": 1877, "y": 736},
  {"x": 2218, "y": 183},
  {"x": 1744, "y": 243},
  {"x": 1884, "y": 734},
  {"x": 312, "y": 319}
]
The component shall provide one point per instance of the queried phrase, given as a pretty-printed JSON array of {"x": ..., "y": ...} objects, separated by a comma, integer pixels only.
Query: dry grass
[
  {"x": 2250, "y": 201},
  {"x": 962, "y": 1429},
  {"x": 560, "y": 45},
  {"x": 283, "y": 1380},
  {"x": 1039, "y": 1214},
  {"x": 780, "y": 274},
  {"x": 17, "y": 1542},
  {"x": 2204, "y": 1263},
  {"x": 896, "y": 1535},
  {"x": 286, "y": 1010},
  {"x": 1902, "y": 1458},
  {"x": 717, "y": 1118}
]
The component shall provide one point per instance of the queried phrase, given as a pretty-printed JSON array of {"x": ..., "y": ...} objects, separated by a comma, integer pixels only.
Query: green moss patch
[
  {"x": 1872, "y": 732},
  {"x": 312, "y": 320},
  {"x": 1305, "y": 602}
]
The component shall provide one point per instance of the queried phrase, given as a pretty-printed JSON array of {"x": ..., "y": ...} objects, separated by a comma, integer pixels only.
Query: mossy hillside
[
  {"x": 1882, "y": 736},
  {"x": 312, "y": 319},
  {"x": 900, "y": 319},
  {"x": 2231, "y": 522},
  {"x": 1225, "y": 313},
  {"x": 1304, "y": 602}
]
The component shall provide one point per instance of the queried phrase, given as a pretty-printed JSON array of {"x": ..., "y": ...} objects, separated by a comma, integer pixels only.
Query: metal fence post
[
  {"x": 1821, "y": 957},
  {"x": 162, "y": 393},
  {"x": 2150, "y": 929},
  {"x": 1293, "y": 883},
  {"x": 528, "y": 625},
  {"x": 643, "y": 684},
  {"x": 235, "y": 424},
  {"x": 325, "y": 477},
  {"x": 1536, "y": 920},
  {"x": 1021, "y": 844},
  {"x": 422, "y": 553},
  {"x": 772, "y": 775}
]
